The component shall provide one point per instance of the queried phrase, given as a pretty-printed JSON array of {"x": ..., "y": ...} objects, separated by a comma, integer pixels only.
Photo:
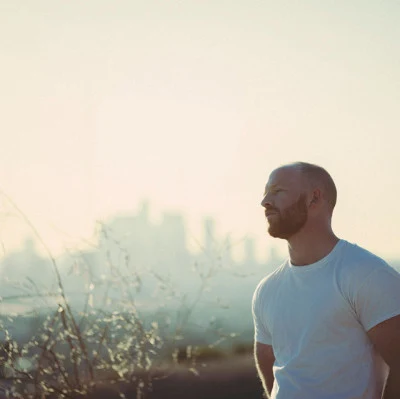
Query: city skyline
[
  {"x": 150, "y": 256},
  {"x": 211, "y": 240}
]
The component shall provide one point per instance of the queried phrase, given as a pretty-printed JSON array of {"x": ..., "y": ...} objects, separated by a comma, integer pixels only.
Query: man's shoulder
[
  {"x": 273, "y": 277},
  {"x": 361, "y": 257},
  {"x": 359, "y": 262}
]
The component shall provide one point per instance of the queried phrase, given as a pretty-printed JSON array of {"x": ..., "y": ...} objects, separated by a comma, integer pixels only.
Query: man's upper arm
[
  {"x": 378, "y": 309},
  {"x": 378, "y": 297},
  {"x": 385, "y": 337},
  {"x": 261, "y": 331},
  {"x": 265, "y": 357}
]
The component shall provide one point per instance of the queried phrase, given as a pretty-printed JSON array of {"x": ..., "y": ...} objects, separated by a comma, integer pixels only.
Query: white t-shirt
[{"x": 316, "y": 318}]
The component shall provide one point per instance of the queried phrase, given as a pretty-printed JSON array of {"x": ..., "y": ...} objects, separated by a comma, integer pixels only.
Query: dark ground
[{"x": 231, "y": 378}]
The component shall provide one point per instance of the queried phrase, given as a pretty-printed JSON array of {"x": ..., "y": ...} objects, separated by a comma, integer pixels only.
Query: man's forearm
[
  {"x": 268, "y": 387},
  {"x": 269, "y": 383},
  {"x": 267, "y": 379},
  {"x": 265, "y": 359},
  {"x": 392, "y": 386}
]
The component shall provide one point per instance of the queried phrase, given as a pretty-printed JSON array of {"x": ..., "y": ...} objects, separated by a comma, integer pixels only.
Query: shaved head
[
  {"x": 296, "y": 193},
  {"x": 316, "y": 176}
]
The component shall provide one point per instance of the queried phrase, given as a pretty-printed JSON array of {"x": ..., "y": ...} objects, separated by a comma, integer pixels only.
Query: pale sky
[{"x": 191, "y": 104}]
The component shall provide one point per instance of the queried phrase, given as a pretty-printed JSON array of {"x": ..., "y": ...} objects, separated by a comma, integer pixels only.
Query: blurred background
[{"x": 142, "y": 133}]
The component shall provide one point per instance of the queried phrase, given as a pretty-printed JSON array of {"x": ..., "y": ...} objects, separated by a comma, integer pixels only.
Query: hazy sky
[{"x": 191, "y": 104}]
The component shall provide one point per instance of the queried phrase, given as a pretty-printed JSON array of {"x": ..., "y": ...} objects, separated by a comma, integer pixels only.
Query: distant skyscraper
[
  {"x": 227, "y": 251},
  {"x": 209, "y": 236}
]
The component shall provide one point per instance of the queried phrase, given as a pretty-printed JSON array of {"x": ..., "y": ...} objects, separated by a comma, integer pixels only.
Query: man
[{"x": 327, "y": 321}]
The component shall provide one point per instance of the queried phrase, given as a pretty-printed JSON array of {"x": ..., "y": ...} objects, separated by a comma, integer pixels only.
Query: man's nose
[{"x": 266, "y": 201}]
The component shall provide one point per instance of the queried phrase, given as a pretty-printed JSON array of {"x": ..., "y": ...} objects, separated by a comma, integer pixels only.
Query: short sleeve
[
  {"x": 378, "y": 297},
  {"x": 261, "y": 332}
]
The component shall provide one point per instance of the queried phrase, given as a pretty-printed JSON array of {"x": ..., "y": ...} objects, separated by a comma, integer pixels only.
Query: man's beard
[{"x": 288, "y": 222}]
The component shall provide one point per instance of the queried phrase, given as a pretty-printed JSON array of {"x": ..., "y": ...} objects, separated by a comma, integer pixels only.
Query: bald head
[{"x": 317, "y": 177}]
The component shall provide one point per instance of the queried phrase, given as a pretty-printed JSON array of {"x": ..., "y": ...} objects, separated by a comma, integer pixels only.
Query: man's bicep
[
  {"x": 378, "y": 298},
  {"x": 261, "y": 331},
  {"x": 385, "y": 337},
  {"x": 264, "y": 355}
]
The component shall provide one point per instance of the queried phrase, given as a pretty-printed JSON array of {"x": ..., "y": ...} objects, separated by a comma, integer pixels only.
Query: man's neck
[{"x": 306, "y": 249}]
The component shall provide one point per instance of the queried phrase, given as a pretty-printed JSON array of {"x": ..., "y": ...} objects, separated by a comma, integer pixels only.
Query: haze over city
[{"x": 191, "y": 105}]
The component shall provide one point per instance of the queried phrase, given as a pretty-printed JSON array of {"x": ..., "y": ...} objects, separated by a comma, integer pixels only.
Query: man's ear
[{"x": 316, "y": 197}]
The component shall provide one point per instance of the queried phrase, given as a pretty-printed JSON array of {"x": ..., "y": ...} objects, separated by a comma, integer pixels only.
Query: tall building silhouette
[{"x": 209, "y": 236}]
